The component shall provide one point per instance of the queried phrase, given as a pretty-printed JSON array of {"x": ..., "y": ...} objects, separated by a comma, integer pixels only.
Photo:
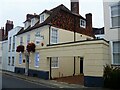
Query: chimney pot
[{"x": 8, "y": 27}]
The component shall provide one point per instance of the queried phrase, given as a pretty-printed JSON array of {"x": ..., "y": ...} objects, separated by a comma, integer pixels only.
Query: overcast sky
[{"x": 16, "y": 10}]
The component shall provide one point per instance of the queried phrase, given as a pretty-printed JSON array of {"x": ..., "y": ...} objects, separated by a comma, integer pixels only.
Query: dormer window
[
  {"x": 82, "y": 23},
  {"x": 26, "y": 24},
  {"x": 42, "y": 18},
  {"x": 32, "y": 22}
]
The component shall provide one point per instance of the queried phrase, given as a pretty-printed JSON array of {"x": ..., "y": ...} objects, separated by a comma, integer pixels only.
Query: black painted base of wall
[
  {"x": 92, "y": 81},
  {"x": 19, "y": 70},
  {"x": 33, "y": 73},
  {"x": 40, "y": 74}
]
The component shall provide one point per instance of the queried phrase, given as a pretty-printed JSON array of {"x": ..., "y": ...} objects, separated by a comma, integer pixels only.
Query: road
[
  {"x": 8, "y": 82},
  {"x": 13, "y": 82}
]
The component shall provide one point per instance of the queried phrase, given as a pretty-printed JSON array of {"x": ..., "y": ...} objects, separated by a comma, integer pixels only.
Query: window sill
[
  {"x": 36, "y": 66},
  {"x": 115, "y": 64},
  {"x": 115, "y": 27},
  {"x": 55, "y": 67}
]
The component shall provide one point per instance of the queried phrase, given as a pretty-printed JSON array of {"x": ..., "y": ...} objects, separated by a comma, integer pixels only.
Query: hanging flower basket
[
  {"x": 30, "y": 47},
  {"x": 20, "y": 48}
]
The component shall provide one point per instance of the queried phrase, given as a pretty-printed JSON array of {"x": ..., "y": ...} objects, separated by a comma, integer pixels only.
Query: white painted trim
[
  {"x": 110, "y": 16},
  {"x": 51, "y": 35},
  {"x": 57, "y": 66},
  {"x": 111, "y": 47}
]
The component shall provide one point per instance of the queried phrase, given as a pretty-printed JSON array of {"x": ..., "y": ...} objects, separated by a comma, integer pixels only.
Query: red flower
[
  {"x": 20, "y": 48},
  {"x": 30, "y": 47}
]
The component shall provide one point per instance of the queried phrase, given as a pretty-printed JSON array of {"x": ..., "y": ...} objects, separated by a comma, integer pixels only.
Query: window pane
[
  {"x": 28, "y": 38},
  {"x": 12, "y": 61},
  {"x": 20, "y": 58},
  {"x": 82, "y": 23},
  {"x": 115, "y": 10},
  {"x": 115, "y": 15},
  {"x": 37, "y": 59},
  {"x": 116, "y": 58},
  {"x": 115, "y": 21},
  {"x": 116, "y": 46},
  {"x": 21, "y": 40},
  {"x": 54, "y": 36},
  {"x": 54, "y": 62}
]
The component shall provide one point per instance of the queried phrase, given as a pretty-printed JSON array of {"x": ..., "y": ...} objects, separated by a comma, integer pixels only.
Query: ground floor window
[
  {"x": 116, "y": 52},
  {"x": 37, "y": 59},
  {"x": 0, "y": 60},
  {"x": 8, "y": 60},
  {"x": 20, "y": 58},
  {"x": 12, "y": 61},
  {"x": 54, "y": 62}
]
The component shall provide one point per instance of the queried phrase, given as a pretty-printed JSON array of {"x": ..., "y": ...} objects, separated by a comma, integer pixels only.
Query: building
[
  {"x": 99, "y": 33},
  {"x": 12, "y": 48},
  {"x": 112, "y": 28},
  {"x": 1, "y": 38},
  {"x": 4, "y": 43},
  {"x": 65, "y": 46},
  {"x": 0, "y": 55}
]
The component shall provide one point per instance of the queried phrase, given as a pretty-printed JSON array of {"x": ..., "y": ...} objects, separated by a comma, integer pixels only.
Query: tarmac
[{"x": 51, "y": 83}]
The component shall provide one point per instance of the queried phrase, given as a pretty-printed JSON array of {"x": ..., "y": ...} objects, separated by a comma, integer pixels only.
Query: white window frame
[
  {"x": 37, "y": 38},
  {"x": 9, "y": 60},
  {"x": 42, "y": 18},
  {"x": 13, "y": 46},
  {"x": 111, "y": 26},
  {"x": 82, "y": 23},
  {"x": 10, "y": 43},
  {"x": 37, "y": 59},
  {"x": 32, "y": 22},
  {"x": 20, "y": 59},
  {"x": 21, "y": 40},
  {"x": 28, "y": 38},
  {"x": 52, "y": 36},
  {"x": 13, "y": 61},
  {"x": 52, "y": 62}
]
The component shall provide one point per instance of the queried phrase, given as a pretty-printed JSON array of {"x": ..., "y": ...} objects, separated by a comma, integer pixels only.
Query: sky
[{"x": 16, "y": 10}]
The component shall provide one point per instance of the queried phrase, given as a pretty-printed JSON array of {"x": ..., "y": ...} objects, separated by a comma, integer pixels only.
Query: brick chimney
[
  {"x": 75, "y": 6},
  {"x": 1, "y": 33},
  {"x": 8, "y": 27},
  {"x": 29, "y": 16},
  {"x": 89, "y": 24}
]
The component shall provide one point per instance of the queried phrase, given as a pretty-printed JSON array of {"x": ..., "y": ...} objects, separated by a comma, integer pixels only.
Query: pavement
[{"x": 51, "y": 83}]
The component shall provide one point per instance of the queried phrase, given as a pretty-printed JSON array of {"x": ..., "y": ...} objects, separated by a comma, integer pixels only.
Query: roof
[{"x": 52, "y": 13}]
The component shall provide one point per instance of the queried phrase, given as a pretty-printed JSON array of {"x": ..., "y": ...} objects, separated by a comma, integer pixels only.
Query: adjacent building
[
  {"x": 112, "y": 28},
  {"x": 12, "y": 48},
  {"x": 4, "y": 43},
  {"x": 99, "y": 33}
]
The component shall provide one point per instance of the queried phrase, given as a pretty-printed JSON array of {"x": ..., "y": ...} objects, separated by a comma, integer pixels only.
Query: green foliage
[{"x": 111, "y": 77}]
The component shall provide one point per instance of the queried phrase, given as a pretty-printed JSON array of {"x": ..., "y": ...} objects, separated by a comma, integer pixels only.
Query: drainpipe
[
  {"x": 74, "y": 29},
  {"x": 50, "y": 69},
  {"x": 74, "y": 41},
  {"x": 49, "y": 33},
  {"x": 74, "y": 66}
]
